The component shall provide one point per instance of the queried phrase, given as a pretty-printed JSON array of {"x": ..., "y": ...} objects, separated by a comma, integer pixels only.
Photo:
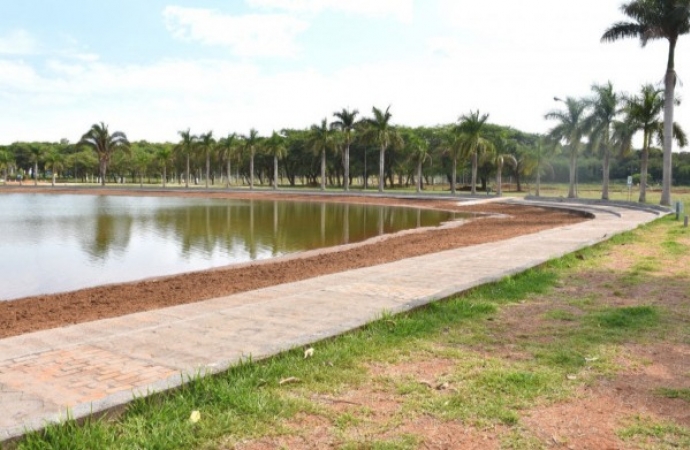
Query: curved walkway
[{"x": 92, "y": 367}]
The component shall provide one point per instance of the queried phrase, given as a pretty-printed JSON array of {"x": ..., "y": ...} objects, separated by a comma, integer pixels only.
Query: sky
[{"x": 153, "y": 68}]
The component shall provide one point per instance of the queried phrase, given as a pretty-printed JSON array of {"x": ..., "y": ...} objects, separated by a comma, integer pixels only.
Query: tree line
[{"x": 471, "y": 154}]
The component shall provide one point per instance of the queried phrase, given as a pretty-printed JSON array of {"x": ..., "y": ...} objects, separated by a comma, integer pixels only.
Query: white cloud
[
  {"x": 400, "y": 9},
  {"x": 247, "y": 35},
  {"x": 17, "y": 42}
]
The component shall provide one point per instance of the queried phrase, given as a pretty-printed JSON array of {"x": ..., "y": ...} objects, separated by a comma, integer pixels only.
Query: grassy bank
[{"x": 494, "y": 367}]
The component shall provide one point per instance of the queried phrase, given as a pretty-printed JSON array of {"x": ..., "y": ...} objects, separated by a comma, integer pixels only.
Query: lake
[{"x": 58, "y": 243}]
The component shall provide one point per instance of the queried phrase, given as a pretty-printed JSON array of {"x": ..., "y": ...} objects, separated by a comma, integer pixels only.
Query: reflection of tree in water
[
  {"x": 270, "y": 228},
  {"x": 107, "y": 233}
]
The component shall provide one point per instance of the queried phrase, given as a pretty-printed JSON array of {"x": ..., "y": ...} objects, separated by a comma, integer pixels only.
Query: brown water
[{"x": 58, "y": 243}]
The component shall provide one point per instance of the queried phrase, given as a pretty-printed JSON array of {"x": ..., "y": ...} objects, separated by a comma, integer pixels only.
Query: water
[{"x": 58, "y": 243}]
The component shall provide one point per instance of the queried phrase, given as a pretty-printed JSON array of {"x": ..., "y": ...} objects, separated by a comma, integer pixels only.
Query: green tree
[
  {"x": 100, "y": 140},
  {"x": 346, "y": 123},
  {"x": 251, "y": 144},
  {"x": 419, "y": 154},
  {"x": 503, "y": 152},
  {"x": 571, "y": 129},
  {"x": 164, "y": 156},
  {"x": 186, "y": 148},
  {"x": 657, "y": 19},
  {"x": 275, "y": 146},
  {"x": 6, "y": 161},
  {"x": 599, "y": 124},
  {"x": 473, "y": 140},
  {"x": 54, "y": 159},
  {"x": 228, "y": 149},
  {"x": 207, "y": 145},
  {"x": 321, "y": 138},
  {"x": 379, "y": 131},
  {"x": 141, "y": 159}
]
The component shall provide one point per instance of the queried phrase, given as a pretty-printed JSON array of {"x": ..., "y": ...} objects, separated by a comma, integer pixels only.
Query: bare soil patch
[{"x": 51, "y": 311}]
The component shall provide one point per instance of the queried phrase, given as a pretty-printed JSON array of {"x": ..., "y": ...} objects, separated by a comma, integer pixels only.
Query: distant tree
[
  {"x": 473, "y": 140},
  {"x": 164, "y": 156},
  {"x": 54, "y": 160},
  {"x": 419, "y": 154},
  {"x": 228, "y": 148},
  {"x": 599, "y": 124},
  {"x": 275, "y": 146},
  {"x": 186, "y": 148},
  {"x": 207, "y": 145},
  {"x": 380, "y": 132},
  {"x": 251, "y": 144},
  {"x": 100, "y": 140},
  {"x": 321, "y": 138},
  {"x": 346, "y": 123},
  {"x": 657, "y": 19},
  {"x": 571, "y": 129},
  {"x": 6, "y": 160}
]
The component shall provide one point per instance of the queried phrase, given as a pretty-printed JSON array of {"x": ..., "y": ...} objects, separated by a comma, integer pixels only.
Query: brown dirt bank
[{"x": 50, "y": 311}]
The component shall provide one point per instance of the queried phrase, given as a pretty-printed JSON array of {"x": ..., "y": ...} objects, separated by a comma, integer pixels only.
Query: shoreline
[{"x": 501, "y": 221}]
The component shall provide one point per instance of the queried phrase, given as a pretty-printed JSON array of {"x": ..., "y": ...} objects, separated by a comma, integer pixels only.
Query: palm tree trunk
[
  {"x": 644, "y": 163},
  {"x": 251, "y": 171},
  {"x": 102, "y": 171},
  {"x": 669, "y": 91},
  {"x": 499, "y": 187},
  {"x": 323, "y": 170},
  {"x": 208, "y": 166},
  {"x": 605, "y": 174},
  {"x": 165, "y": 176},
  {"x": 474, "y": 173},
  {"x": 382, "y": 166},
  {"x": 275, "y": 172},
  {"x": 454, "y": 176},
  {"x": 346, "y": 167},
  {"x": 186, "y": 175},
  {"x": 573, "y": 169},
  {"x": 228, "y": 170},
  {"x": 35, "y": 173},
  {"x": 419, "y": 176},
  {"x": 52, "y": 183}
]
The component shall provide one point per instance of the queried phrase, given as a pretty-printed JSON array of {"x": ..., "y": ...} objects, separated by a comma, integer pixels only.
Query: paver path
[{"x": 94, "y": 366}]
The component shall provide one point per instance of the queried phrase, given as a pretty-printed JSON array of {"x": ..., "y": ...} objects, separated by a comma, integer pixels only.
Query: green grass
[
  {"x": 683, "y": 394},
  {"x": 577, "y": 343},
  {"x": 646, "y": 433}
]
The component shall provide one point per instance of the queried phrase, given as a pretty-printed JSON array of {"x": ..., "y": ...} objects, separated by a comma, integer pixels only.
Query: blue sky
[{"x": 151, "y": 68}]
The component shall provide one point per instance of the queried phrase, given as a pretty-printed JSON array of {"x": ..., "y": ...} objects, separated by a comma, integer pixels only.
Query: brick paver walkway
[{"x": 94, "y": 366}]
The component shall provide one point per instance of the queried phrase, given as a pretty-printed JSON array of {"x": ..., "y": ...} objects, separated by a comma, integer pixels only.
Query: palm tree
[
  {"x": 164, "y": 156},
  {"x": 657, "y": 19},
  {"x": 141, "y": 159},
  {"x": 571, "y": 129},
  {"x": 472, "y": 140},
  {"x": 186, "y": 147},
  {"x": 642, "y": 114},
  {"x": 104, "y": 144},
  {"x": 54, "y": 159},
  {"x": 275, "y": 146},
  {"x": 452, "y": 146},
  {"x": 380, "y": 131},
  {"x": 251, "y": 143},
  {"x": 35, "y": 151},
  {"x": 346, "y": 124},
  {"x": 207, "y": 144},
  {"x": 600, "y": 123},
  {"x": 228, "y": 148},
  {"x": 420, "y": 153},
  {"x": 320, "y": 139},
  {"x": 545, "y": 148},
  {"x": 501, "y": 155}
]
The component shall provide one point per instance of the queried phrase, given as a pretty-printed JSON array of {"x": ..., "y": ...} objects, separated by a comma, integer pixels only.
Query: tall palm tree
[
  {"x": 227, "y": 150},
  {"x": 207, "y": 144},
  {"x": 141, "y": 159},
  {"x": 275, "y": 146},
  {"x": 164, "y": 156},
  {"x": 251, "y": 143},
  {"x": 104, "y": 144},
  {"x": 503, "y": 153},
  {"x": 452, "y": 145},
  {"x": 571, "y": 129},
  {"x": 657, "y": 19},
  {"x": 600, "y": 123},
  {"x": 35, "y": 152},
  {"x": 473, "y": 141},
  {"x": 320, "y": 139},
  {"x": 186, "y": 147},
  {"x": 380, "y": 131}
]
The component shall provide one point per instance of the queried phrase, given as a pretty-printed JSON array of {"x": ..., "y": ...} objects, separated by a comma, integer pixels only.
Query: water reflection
[{"x": 53, "y": 243}]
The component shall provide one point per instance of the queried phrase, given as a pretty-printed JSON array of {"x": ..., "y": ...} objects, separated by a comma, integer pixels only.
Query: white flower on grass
[{"x": 195, "y": 416}]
